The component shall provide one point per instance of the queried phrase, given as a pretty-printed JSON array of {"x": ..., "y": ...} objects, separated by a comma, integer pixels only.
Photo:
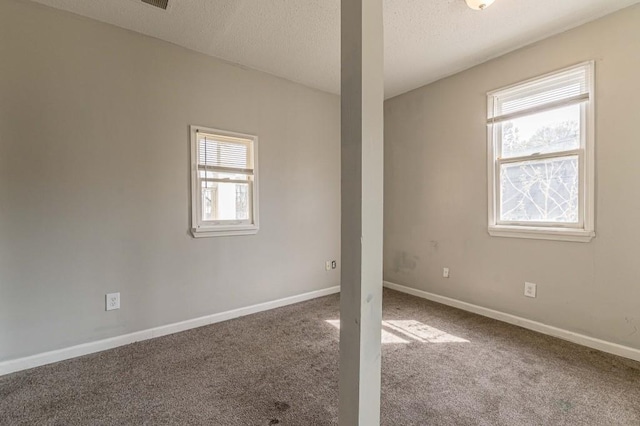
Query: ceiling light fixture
[{"x": 479, "y": 4}]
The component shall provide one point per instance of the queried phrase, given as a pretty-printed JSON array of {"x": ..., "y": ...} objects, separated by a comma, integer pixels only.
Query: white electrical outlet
[
  {"x": 445, "y": 272},
  {"x": 530, "y": 289},
  {"x": 112, "y": 301},
  {"x": 327, "y": 265}
]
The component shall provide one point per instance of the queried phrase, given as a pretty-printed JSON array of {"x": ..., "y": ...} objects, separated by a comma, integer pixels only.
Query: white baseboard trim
[
  {"x": 18, "y": 364},
  {"x": 581, "y": 339}
]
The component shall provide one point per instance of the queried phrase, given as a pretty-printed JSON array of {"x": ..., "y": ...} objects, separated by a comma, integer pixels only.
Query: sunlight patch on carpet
[{"x": 407, "y": 331}]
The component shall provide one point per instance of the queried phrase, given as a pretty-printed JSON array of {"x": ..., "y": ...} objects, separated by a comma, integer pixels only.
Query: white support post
[{"x": 362, "y": 211}]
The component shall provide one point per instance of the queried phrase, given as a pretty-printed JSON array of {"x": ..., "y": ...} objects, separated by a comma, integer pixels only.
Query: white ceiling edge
[
  {"x": 595, "y": 16},
  {"x": 499, "y": 54},
  {"x": 298, "y": 40}
]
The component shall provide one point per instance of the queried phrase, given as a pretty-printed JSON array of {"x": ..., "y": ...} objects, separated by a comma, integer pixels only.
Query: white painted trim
[
  {"x": 37, "y": 360},
  {"x": 542, "y": 233},
  {"x": 581, "y": 339}
]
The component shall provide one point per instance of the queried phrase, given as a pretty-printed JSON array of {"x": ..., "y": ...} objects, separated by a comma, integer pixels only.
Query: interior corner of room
[{"x": 150, "y": 188}]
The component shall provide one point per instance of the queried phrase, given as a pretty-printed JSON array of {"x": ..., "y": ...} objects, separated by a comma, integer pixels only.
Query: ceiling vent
[{"x": 162, "y": 4}]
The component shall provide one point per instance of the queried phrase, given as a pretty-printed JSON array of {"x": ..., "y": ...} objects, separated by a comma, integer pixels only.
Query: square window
[
  {"x": 224, "y": 182},
  {"x": 540, "y": 145}
]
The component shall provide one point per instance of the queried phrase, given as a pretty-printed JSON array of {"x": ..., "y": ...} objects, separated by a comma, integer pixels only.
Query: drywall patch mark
[
  {"x": 564, "y": 406},
  {"x": 434, "y": 245},
  {"x": 405, "y": 262},
  {"x": 631, "y": 323}
]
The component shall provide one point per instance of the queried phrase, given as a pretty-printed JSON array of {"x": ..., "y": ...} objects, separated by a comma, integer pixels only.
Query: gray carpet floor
[{"x": 441, "y": 366}]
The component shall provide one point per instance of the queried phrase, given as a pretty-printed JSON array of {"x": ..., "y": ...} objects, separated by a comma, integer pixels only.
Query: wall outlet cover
[
  {"x": 445, "y": 272},
  {"x": 530, "y": 289},
  {"x": 327, "y": 265},
  {"x": 112, "y": 301}
]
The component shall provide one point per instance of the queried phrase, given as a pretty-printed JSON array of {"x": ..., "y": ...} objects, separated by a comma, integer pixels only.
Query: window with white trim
[
  {"x": 541, "y": 157},
  {"x": 224, "y": 183}
]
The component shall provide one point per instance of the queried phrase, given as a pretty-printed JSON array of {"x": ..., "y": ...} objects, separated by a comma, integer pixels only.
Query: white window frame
[
  {"x": 221, "y": 228},
  {"x": 584, "y": 230}
]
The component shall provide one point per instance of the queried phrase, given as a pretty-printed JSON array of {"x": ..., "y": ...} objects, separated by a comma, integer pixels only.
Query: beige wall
[
  {"x": 94, "y": 182},
  {"x": 436, "y": 192}
]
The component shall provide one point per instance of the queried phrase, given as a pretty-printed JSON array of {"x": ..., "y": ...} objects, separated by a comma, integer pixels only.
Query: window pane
[
  {"x": 548, "y": 131},
  {"x": 209, "y": 200},
  {"x": 540, "y": 191},
  {"x": 226, "y": 201}
]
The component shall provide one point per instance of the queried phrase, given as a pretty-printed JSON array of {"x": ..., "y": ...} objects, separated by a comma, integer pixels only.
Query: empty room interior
[{"x": 319, "y": 212}]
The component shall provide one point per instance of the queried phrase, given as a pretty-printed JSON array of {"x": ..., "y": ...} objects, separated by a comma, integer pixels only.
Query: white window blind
[
  {"x": 224, "y": 153},
  {"x": 553, "y": 91}
]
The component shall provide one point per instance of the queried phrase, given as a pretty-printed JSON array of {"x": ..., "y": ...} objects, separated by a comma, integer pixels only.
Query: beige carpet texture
[{"x": 441, "y": 366}]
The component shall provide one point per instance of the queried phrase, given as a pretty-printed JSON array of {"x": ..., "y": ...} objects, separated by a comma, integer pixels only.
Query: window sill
[
  {"x": 539, "y": 233},
  {"x": 226, "y": 231}
]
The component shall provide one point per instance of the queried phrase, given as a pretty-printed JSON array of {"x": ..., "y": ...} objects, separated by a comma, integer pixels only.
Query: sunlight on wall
[{"x": 406, "y": 331}]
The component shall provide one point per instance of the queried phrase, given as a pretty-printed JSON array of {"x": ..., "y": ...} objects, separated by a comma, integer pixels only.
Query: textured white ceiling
[{"x": 425, "y": 40}]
